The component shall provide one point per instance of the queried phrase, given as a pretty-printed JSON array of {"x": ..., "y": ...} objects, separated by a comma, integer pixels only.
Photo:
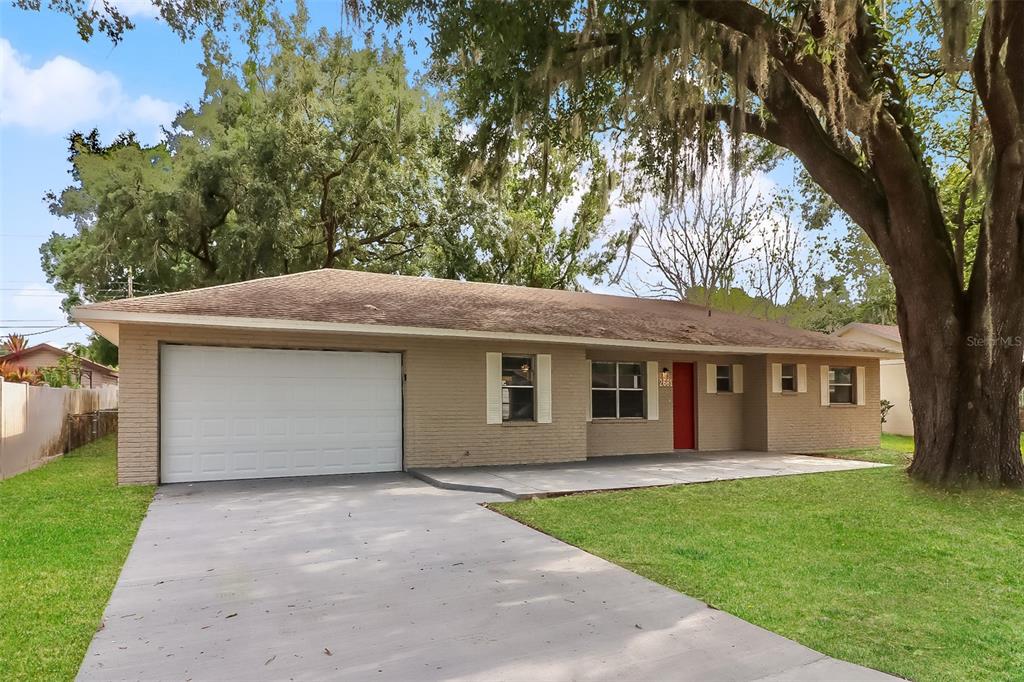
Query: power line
[{"x": 47, "y": 331}]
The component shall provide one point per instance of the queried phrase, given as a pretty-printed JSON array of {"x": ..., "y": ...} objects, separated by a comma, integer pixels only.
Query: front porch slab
[{"x": 630, "y": 471}]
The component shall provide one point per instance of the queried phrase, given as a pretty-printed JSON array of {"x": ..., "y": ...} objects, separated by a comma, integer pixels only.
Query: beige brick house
[
  {"x": 335, "y": 371},
  {"x": 93, "y": 374}
]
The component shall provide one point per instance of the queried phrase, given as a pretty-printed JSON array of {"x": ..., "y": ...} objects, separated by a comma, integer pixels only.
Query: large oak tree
[
  {"x": 308, "y": 154},
  {"x": 834, "y": 82},
  {"x": 829, "y": 81}
]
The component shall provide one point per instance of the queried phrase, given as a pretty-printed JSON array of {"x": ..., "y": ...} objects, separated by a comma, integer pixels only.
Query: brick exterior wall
[
  {"x": 798, "y": 422},
  {"x": 720, "y": 417},
  {"x": 444, "y": 397},
  {"x": 445, "y": 402},
  {"x": 755, "y": 406}
]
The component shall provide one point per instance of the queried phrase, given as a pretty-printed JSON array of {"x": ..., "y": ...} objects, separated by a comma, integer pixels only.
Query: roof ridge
[
  {"x": 570, "y": 292},
  {"x": 150, "y": 297}
]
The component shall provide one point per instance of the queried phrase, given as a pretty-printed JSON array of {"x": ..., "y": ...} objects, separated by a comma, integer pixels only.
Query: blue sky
[{"x": 52, "y": 83}]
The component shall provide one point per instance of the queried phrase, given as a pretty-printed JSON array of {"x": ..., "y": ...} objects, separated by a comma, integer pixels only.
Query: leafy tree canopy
[{"x": 313, "y": 154}]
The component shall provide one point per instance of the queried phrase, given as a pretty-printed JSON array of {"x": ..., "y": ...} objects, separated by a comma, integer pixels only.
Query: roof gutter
[{"x": 106, "y": 323}]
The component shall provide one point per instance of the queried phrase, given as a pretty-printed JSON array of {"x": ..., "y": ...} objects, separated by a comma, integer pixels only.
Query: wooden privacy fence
[
  {"x": 85, "y": 428},
  {"x": 38, "y": 423}
]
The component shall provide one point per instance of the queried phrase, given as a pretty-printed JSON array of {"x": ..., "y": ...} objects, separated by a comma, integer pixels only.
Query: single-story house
[
  {"x": 894, "y": 386},
  {"x": 94, "y": 375},
  {"x": 333, "y": 371}
]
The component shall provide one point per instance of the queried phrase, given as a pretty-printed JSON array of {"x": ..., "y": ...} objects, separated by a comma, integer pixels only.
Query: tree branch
[
  {"x": 780, "y": 42},
  {"x": 994, "y": 85}
]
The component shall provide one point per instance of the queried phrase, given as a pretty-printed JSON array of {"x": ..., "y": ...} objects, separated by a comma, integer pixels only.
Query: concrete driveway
[{"x": 385, "y": 577}]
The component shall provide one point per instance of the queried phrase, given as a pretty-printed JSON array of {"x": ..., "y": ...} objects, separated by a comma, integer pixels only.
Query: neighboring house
[
  {"x": 94, "y": 375},
  {"x": 334, "y": 371},
  {"x": 893, "y": 372}
]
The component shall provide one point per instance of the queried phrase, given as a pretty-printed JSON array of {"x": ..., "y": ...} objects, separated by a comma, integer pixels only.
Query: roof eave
[{"x": 107, "y": 323}]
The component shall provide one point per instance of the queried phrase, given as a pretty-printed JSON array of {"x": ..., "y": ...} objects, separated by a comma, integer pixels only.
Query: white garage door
[{"x": 230, "y": 413}]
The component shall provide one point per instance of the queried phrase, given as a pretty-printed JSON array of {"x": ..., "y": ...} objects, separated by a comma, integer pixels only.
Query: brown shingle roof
[
  {"x": 14, "y": 357},
  {"x": 344, "y": 296}
]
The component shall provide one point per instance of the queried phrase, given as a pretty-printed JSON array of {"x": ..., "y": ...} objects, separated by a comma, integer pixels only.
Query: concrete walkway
[
  {"x": 384, "y": 577},
  {"x": 635, "y": 471}
]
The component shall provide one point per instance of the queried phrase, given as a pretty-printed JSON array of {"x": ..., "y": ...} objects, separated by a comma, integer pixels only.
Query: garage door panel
[
  {"x": 248, "y": 413},
  {"x": 244, "y": 427},
  {"x": 274, "y": 426}
]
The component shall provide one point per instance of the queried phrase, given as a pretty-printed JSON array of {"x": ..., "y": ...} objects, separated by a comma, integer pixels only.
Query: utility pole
[{"x": 131, "y": 284}]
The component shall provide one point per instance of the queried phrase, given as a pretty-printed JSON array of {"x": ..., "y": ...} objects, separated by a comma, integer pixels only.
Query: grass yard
[
  {"x": 866, "y": 566},
  {"x": 65, "y": 530}
]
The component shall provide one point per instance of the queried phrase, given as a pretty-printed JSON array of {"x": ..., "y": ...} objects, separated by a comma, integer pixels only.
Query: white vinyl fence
[{"x": 33, "y": 421}]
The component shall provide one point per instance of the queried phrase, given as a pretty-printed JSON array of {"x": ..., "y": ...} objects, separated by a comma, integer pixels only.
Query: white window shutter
[
  {"x": 590, "y": 391},
  {"x": 494, "y": 388},
  {"x": 776, "y": 378},
  {"x": 824, "y": 385},
  {"x": 861, "y": 386},
  {"x": 737, "y": 378},
  {"x": 801, "y": 378},
  {"x": 653, "y": 393},
  {"x": 712, "y": 384},
  {"x": 543, "y": 389}
]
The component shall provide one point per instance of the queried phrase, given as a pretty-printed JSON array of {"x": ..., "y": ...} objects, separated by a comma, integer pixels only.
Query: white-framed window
[
  {"x": 518, "y": 394},
  {"x": 723, "y": 378},
  {"x": 617, "y": 390},
  {"x": 789, "y": 378},
  {"x": 841, "y": 388}
]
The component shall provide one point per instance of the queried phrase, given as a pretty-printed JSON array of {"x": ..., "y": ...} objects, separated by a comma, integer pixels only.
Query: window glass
[
  {"x": 840, "y": 394},
  {"x": 629, "y": 375},
  {"x": 603, "y": 374},
  {"x": 517, "y": 388},
  {"x": 617, "y": 390},
  {"x": 631, "y": 403},
  {"x": 603, "y": 404},
  {"x": 840, "y": 375},
  {"x": 516, "y": 370},
  {"x": 789, "y": 377},
  {"x": 840, "y": 385},
  {"x": 723, "y": 378}
]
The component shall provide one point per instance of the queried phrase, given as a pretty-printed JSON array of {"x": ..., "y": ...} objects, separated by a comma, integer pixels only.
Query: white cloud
[
  {"x": 137, "y": 9},
  {"x": 63, "y": 94}
]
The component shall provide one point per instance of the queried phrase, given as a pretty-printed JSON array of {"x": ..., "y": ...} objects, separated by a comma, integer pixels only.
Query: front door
[{"x": 683, "y": 418}]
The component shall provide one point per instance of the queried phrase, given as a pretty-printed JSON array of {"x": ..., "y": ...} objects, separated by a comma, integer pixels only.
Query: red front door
[{"x": 683, "y": 420}]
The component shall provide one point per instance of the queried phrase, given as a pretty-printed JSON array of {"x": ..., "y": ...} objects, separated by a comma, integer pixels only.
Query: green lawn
[
  {"x": 866, "y": 566},
  {"x": 65, "y": 530}
]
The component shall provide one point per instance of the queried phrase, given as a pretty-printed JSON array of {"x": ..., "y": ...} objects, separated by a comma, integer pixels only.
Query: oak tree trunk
[
  {"x": 962, "y": 344},
  {"x": 964, "y": 387},
  {"x": 963, "y": 351}
]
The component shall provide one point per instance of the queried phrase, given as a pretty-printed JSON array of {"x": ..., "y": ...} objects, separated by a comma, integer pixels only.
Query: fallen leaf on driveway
[
  {"x": 328, "y": 651},
  {"x": 231, "y": 616}
]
